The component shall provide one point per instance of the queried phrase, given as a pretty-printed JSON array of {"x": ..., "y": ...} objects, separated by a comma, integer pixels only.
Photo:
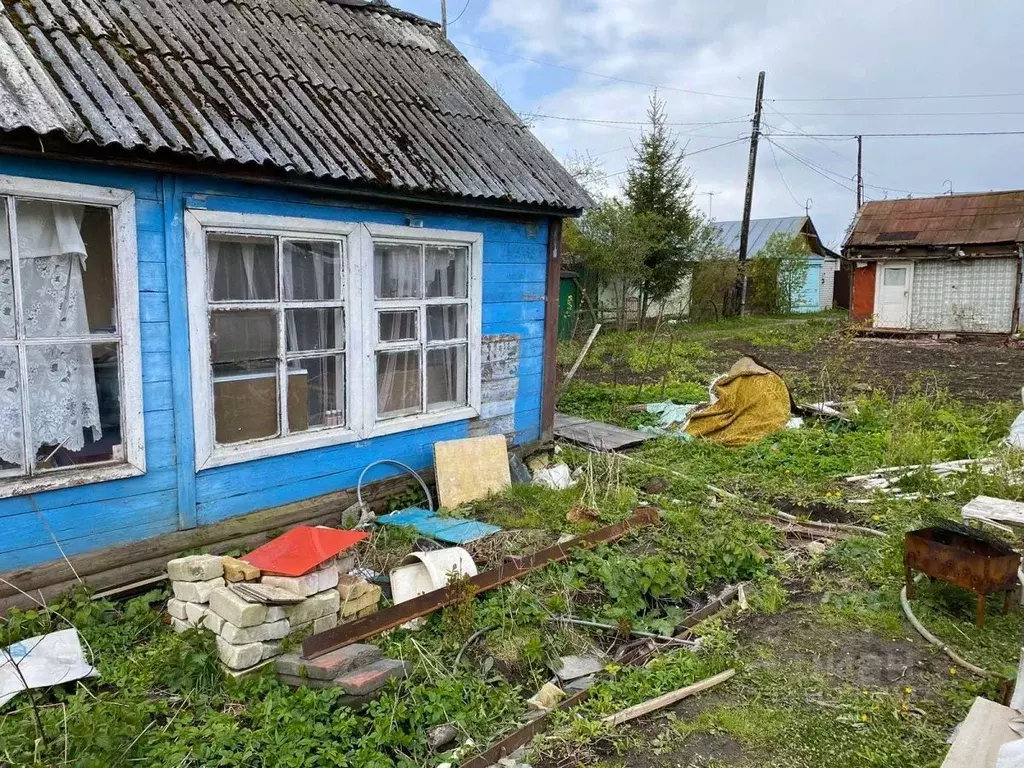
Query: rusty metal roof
[
  {"x": 992, "y": 218},
  {"x": 337, "y": 90}
]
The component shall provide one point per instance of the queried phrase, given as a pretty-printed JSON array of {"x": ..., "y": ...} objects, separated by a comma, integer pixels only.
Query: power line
[
  {"x": 685, "y": 154},
  {"x": 801, "y": 131},
  {"x": 598, "y": 74},
  {"x": 641, "y": 123},
  {"x": 901, "y": 114},
  {"x": 917, "y": 135},
  {"x": 823, "y": 173},
  {"x": 905, "y": 98},
  {"x": 775, "y": 160},
  {"x": 461, "y": 13}
]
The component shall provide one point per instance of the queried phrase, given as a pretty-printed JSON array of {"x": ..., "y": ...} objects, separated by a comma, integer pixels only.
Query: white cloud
[{"x": 810, "y": 49}]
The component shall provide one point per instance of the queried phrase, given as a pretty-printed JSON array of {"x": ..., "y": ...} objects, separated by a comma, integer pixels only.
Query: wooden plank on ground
[
  {"x": 985, "y": 730},
  {"x": 597, "y": 435},
  {"x": 995, "y": 510},
  {"x": 469, "y": 469}
]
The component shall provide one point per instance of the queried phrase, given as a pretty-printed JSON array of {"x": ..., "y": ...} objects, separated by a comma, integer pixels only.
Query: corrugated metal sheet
[
  {"x": 993, "y": 218},
  {"x": 964, "y": 296},
  {"x": 760, "y": 231},
  {"x": 359, "y": 94}
]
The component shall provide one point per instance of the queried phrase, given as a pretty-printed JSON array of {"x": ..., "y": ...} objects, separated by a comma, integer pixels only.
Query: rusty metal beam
[
  {"x": 513, "y": 568},
  {"x": 523, "y": 736}
]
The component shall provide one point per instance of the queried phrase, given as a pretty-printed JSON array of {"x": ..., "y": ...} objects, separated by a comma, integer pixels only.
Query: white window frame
[
  {"x": 197, "y": 224},
  {"x": 474, "y": 241},
  {"x": 121, "y": 203},
  {"x": 360, "y": 329}
]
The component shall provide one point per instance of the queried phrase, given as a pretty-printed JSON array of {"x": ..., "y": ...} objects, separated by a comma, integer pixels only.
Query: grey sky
[{"x": 810, "y": 50}]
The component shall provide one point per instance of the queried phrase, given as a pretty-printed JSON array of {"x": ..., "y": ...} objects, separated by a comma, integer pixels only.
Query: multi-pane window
[
  {"x": 421, "y": 303},
  {"x": 62, "y": 334},
  {"x": 277, "y": 334},
  {"x": 308, "y": 333}
]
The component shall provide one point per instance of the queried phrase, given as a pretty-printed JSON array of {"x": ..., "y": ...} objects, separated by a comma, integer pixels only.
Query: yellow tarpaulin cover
[{"x": 749, "y": 403}]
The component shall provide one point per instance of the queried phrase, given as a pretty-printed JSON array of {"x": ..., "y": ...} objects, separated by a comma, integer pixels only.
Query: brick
[
  {"x": 241, "y": 674},
  {"x": 176, "y": 608},
  {"x": 195, "y": 613},
  {"x": 233, "y": 608},
  {"x": 366, "y": 612},
  {"x": 239, "y": 656},
  {"x": 330, "y": 665},
  {"x": 261, "y": 633},
  {"x": 213, "y": 622},
  {"x": 324, "y": 623},
  {"x": 345, "y": 563},
  {"x": 195, "y": 568},
  {"x": 327, "y": 578},
  {"x": 196, "y": 591},
  {"x": 373, "y": 677},
  {"x": 352, "y": 607},
  {"x": 314, "y": 607},
  {"x": 303, "y": 586},
  {"x": 238, "y": 570},
  {"x": 352, "y": 587},
  {"x": 352, "y": 702},
  {"x": 271, "y": 650},
  {"x": 180, "y": 626}
]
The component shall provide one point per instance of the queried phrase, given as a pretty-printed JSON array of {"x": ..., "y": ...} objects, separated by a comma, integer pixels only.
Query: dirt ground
[{"x": 972, "y": 371}]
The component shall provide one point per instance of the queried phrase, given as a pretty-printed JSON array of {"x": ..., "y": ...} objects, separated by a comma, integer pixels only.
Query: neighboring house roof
[
  {"x": 339, "y": 90},
  {"x": 991, "y": 218},
  {"x": 762, "y": 229}
]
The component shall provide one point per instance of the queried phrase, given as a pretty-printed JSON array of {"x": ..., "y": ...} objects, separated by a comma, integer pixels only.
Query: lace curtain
[{"x": 62, "y": 398}]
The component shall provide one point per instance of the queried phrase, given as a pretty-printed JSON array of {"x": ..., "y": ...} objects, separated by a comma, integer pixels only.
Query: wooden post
[
  {"x": 550, "y": 386},
  {"x": 860, "y": 172},
  {"x": 444, "y": 18},
  {"x": 748, "y": 200}
]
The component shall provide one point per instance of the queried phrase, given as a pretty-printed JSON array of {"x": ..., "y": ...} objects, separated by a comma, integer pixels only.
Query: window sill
[
  {"x": 420, "y": 420},
  {"x": 224, "y": 455},
  {"x": 67, "y": 479}
]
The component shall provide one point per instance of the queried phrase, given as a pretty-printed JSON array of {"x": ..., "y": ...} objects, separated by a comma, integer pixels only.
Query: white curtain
[
  {"x": 62, "y": 400},
  {"x": 397, "y": 275}
]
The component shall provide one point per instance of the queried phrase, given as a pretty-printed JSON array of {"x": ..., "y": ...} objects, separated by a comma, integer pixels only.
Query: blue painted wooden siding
[
  {"x": 809, "y": 298},
  {"x": 171, "y": 496}
]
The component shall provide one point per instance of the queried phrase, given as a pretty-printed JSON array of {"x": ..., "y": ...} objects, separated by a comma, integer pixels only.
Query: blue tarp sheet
[{"x": 447, "y": 529}]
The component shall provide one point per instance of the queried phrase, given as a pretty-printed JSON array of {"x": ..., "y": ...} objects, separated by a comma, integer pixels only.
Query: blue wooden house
[{"x": 248, "y": 247}]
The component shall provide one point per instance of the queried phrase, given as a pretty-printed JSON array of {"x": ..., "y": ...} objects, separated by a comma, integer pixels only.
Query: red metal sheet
[{"x": 302, "y": 549}]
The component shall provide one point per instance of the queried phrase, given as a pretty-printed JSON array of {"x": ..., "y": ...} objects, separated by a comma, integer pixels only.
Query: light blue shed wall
[
  {"x": 809, "y": 298},
  {"x": 171, "y": 496}
]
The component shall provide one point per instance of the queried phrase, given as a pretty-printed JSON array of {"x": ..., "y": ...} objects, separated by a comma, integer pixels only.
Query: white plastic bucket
[{"x": 422, "y": 572}]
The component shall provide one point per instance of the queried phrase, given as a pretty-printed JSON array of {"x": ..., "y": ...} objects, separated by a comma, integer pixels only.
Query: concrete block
[
  {"x": 275, "y": 613},
  {"x": 241, "y": 674},
  {"x": 176, "y": 608},
  {"x": 313, "y": 608},
  {"x": 271, "y": 650},
  {"x": 195, "y": 613},
  {"x": 366, "y": 612},
  {"x": 303, "y": 586},
  {"x": 330, "y": 665},
  {"x": 196, "y": 591},
  {"x": 180, "y": 626},
  {"x": 238, "y": 570},
  {"x": 345, "y": 563},
  {"x": 373, "y": 677},
  {"x": 324, "y": 623},
  {"x": 352, "y": 587},
  {"x": 195, "y": 568},
  {"x": 327, "y": 578},
  {"x": 369, "y": 599},
  {"x": 239, "y": 656},
  {"x": 233, "y": 608},
  {"x": 354, "y": 703},
  {"x": 261, "y": 633},
  {"x": 213, "y": 622}
]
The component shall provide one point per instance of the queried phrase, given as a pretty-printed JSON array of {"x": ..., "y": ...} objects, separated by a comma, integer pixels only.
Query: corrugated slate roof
[
  {"x": 760, "y": 231},
  {"x": 331, "y": 89},
  {"x": 991, "y": 218}
]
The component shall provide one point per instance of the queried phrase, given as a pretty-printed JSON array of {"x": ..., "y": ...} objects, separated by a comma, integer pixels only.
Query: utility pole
[
  {"x": 748, "y": 200},
  {"x": 711, "y": 203},
  {"x": 444, "y": 18},
  {"x": 860, "y": 172}
]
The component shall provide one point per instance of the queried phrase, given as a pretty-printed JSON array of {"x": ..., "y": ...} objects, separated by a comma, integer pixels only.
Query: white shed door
[
  {"x": 892, "y": 300},
  {"x": 975, "y": 296}
]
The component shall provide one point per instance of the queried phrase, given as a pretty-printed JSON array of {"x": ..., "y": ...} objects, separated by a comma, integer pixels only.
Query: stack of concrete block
[
  {"x": 358, "y": 670},
  {"x": 247, "y": 633},
  {"x": 359, "y": 598},
  {"x": 193, "y": 579}
]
